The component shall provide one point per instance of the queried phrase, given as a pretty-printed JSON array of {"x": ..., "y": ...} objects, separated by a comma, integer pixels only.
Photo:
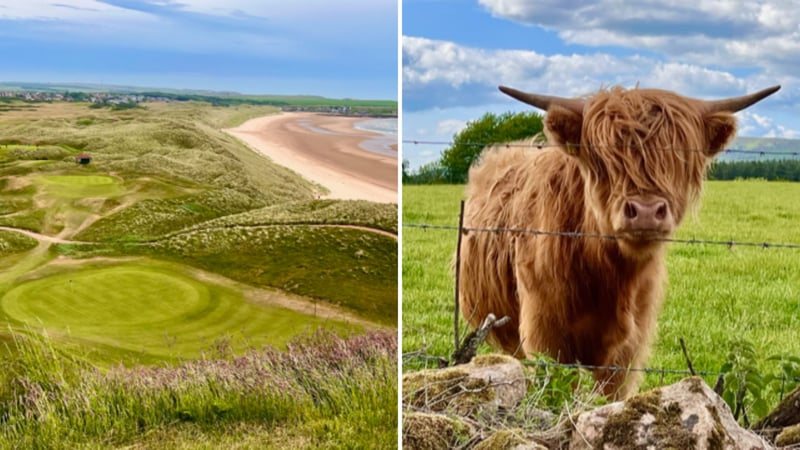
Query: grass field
[{"x": 717, "y": 298}]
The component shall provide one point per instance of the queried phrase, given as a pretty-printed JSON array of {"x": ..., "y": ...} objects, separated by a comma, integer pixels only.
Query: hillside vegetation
[{"x": 179, "y": 253}]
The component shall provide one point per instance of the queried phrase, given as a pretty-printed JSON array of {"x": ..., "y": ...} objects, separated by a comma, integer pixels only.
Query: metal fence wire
[
  {"x": 576, "y": 234},
  {"x": 462, "y": 230},
  {"x": 542, "y": 145}
]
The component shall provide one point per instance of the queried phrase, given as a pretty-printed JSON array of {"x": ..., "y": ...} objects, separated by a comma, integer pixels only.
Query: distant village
[
  {"x": 131, "y": 100},
  {"x": 91, "y": 97}
]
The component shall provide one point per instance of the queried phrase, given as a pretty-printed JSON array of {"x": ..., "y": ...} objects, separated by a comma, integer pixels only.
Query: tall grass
[{"x": 347, "y": 386}]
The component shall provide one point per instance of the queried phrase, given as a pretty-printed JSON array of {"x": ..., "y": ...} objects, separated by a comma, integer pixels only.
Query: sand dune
[{"x": 324, "y": 149}]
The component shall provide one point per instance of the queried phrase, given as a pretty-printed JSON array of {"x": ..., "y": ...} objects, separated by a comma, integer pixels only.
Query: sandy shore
[{"x": 325, "y": 149}]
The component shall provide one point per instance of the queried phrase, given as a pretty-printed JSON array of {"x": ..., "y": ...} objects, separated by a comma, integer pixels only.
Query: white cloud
[
  {"x": 724, "y": 32},
  {"x": 450, "y": 127},
  {"x": 283, "y": 10},
  {"x": 442, "y": 65},
  {"x": 67, "y": 10},
  {"x": 757, "y": 125}
]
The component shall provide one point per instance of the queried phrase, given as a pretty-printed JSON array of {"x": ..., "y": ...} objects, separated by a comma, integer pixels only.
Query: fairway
[{"x": 149, "y": 310}]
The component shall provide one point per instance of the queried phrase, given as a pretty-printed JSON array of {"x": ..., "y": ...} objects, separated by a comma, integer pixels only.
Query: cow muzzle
[{"x": 646, "y": 218}]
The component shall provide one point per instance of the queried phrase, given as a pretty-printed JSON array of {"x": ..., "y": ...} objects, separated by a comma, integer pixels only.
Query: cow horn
[
  {"x": 545, "y": 101},
  {"x": 739, "y": 103}
]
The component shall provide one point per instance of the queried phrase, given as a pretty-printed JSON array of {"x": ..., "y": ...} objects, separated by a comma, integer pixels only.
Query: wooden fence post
[{"x": 458, "y": 271}]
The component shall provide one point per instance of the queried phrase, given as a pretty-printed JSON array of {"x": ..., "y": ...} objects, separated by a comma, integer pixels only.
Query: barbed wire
[
  {"x": 543, "y": 145},
  {"x": 577, "y": 366},
  {"x": 578, "y": 234}
]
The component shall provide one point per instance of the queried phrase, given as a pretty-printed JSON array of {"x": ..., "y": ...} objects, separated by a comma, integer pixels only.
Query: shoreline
[{"x": 327, "y": 150}]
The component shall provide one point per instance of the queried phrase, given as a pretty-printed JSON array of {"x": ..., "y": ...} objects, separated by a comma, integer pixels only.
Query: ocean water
[
  {"x": 383, "y": 126},
  {"x": 382, "y": 144}
]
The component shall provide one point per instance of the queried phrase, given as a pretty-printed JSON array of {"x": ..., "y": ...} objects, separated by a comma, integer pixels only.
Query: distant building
[{"x": 83, "y": 158}]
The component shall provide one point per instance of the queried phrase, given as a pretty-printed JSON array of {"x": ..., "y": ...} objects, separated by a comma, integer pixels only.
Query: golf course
[{"x": 177, "y": 244}]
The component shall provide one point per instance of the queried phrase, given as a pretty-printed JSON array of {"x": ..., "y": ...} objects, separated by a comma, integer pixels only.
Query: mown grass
[
  {"x": 716, "y": 297},
  {"x": 324, "y": 391},
  {"x": 149, "y": 311}
]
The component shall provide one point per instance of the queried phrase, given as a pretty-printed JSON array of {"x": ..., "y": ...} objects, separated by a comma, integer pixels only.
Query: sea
[{"x": 382, "y": 144}]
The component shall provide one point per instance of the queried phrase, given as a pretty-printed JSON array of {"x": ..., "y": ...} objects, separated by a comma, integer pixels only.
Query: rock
[
  {"x": 487, "y": 384},
  {"x": 508, "y": 440},
  {"x": 423, "y": 431},
  {"x": 790, "y": 436},
  {"x": 687, "y": 415}
]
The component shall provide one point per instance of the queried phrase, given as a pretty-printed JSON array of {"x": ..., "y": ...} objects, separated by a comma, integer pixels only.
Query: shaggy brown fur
[{"x": 587, "y": 300}]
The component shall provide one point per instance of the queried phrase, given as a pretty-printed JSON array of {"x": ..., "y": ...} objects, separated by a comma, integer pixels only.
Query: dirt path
[
  {"x": 284, "y": 300},
  {"x": 43, "y": 237}
]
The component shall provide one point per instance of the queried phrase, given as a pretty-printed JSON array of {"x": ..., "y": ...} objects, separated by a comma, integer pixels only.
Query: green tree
[{"x": 489, "y": 129}]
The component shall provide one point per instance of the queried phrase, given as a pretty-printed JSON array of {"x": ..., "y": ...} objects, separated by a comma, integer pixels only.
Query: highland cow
[{"x": 621, "y": 163}]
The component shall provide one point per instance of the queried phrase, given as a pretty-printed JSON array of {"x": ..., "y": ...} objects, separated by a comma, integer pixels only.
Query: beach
[{"x": 329, "y": 150}]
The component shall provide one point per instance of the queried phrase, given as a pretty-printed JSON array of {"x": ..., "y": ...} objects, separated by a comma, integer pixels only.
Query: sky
[
  {"x": 456, "y": 52},
  {"x": 346, "y": 48}
]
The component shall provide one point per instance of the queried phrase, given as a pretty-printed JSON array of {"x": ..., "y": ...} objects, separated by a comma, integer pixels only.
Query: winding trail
[{"x": 43, "y": 237}]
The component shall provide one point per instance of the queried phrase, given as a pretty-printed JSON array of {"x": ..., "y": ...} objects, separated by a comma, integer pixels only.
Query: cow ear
[
  {"x": 563, "y": 127},
  {"x": 720, "y": 130}
]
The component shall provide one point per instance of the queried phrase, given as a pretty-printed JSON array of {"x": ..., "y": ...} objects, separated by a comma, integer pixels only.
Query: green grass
[
  {"x": 200, "y": 228},
  {"x": 148, "y": 311},
  {"x": 347, "y": 267},
  {"x": 167, "y": 168},
  {"x": 381, "y": 216},
  {"x": 324, "y": 391},
  {"x": 13, "y": 243},
  {"x": 715, "y": 296},
  {"x": 80, "y": 186},
  {"x": 150, "y": 219}
]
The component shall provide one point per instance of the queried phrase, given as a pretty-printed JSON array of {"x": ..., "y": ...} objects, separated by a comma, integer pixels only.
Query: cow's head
[{"x": 643, "y": 153}]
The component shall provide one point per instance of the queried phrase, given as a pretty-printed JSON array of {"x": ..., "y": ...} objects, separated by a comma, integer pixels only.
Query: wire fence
[
  {"x": 576, "y": 234},
  {"x": 542, "y": 145},
  {"x": 462, "y": 230},
  {"x": 661, "y": 371}
]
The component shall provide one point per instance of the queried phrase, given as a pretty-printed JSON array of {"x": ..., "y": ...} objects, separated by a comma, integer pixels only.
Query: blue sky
[
  {"x": 456, "y": 52},
  {"x": 346, "y": 48}
]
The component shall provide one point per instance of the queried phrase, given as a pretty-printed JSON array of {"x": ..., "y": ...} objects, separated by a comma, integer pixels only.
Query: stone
[
  {"x": 508, "y": 440},
  {"x": 426, "y": 431},
  {"x": 790, "y": 436},
  {"x": 685, "y": 415},
  {"x": 487, "y": 384}
]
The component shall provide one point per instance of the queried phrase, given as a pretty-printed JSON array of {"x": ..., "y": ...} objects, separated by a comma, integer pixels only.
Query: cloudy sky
[
  {"x": 456, "y": 52},
  {"x": 346, "y": 48}
]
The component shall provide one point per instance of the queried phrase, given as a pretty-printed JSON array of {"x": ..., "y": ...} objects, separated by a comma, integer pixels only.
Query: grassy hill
[{"x": 175, "y": 246}]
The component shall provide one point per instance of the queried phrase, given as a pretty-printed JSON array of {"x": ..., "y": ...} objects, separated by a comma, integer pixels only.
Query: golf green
[
  {"x": 150, "y": 310},
  {"x": 76, "y": 186}
]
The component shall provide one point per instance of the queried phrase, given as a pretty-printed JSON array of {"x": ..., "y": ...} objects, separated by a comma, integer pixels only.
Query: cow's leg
[
  {"x": 539, "y": 331},
  {"x": 618, "y": 381}
]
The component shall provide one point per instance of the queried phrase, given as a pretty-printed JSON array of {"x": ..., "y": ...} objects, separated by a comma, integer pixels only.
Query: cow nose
[{"x": 641, "y": 215}]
